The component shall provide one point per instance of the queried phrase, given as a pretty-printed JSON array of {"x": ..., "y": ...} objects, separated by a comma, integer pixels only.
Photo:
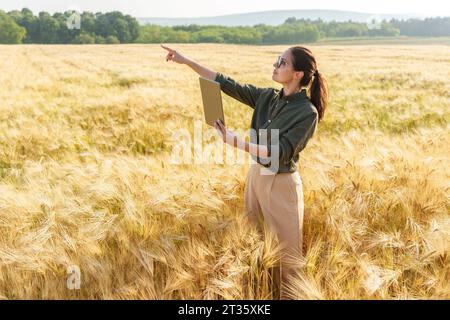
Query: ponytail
[{"x": 318, "y": 93}]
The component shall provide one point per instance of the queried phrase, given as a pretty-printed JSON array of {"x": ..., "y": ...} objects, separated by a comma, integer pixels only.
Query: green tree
[
  {"x": 29, "y": 21},
  {"x": 112, "y": 40},
  {"x": 121, "y": 29},
  {"x": 124, "y": 28},
  {"x": 10, "y": 31},
  {"x": 351, "y": 29},
  {"x": 150, "y": 33},
  {"x": 99, "y": 40},
  {"x": 88, "y": 21},
  {"x": 84, "y": 38},
  {"x": 209, "y": 35},
  {"x": 133, "y": 28},
  {"x": 48, "y": 28}
]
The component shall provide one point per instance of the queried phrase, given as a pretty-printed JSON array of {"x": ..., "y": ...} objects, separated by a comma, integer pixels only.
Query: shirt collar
[{"x": 292, "y": 97}]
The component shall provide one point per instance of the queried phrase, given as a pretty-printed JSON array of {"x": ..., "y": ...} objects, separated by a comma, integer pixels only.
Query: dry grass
[{"x": 85, "y": 137}]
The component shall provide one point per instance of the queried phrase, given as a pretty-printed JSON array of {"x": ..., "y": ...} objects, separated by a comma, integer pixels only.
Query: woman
[{"x": 276, "y": 199}]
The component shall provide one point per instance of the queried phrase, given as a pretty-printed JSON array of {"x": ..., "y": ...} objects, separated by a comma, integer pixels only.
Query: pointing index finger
[{"x": 167, "y": 48}]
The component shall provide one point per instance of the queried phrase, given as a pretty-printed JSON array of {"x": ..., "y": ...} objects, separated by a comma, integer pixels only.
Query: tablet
[{"x": 212, "y": 100}]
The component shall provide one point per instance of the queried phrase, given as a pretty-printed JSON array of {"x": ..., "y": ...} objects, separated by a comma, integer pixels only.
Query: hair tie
[{"x": 316, "y": 73}]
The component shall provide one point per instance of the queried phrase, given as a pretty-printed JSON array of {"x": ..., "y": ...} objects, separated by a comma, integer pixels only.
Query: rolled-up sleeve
[
  {"x": 245, "y": 93},
  {"x": 295, "y": 139}
]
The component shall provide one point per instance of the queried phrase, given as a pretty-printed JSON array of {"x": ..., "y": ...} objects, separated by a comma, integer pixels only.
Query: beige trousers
[{"x": 277, "y": 200}]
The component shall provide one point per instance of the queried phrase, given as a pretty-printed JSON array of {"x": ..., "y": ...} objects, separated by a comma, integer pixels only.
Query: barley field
[{"x": 87, "y": 189}]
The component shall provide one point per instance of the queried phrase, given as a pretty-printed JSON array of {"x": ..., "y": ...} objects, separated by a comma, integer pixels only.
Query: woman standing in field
[{"x": 277, "y": 198}]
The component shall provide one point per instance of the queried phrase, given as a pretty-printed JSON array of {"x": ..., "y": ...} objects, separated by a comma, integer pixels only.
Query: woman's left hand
[{"x": 228, "y": 136}]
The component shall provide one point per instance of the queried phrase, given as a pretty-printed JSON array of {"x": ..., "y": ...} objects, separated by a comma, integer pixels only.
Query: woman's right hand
[{"x": 173, "y": 55}]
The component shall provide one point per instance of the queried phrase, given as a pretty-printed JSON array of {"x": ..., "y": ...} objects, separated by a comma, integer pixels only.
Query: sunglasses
[{"x": 280, "y": 61}]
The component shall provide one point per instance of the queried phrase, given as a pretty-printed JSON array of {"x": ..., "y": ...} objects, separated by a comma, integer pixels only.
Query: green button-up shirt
[{"x": 294, "y": 115}]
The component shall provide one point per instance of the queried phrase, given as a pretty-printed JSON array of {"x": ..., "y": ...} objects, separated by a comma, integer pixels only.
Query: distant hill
[{"x": 273, "y": 18}]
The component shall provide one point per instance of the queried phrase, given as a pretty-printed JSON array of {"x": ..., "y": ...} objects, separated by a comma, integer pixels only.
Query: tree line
[
  {"x": 24, "y": 27},
  {"x": 114, "y": 27},
  {"x": 293, "y": 31}
]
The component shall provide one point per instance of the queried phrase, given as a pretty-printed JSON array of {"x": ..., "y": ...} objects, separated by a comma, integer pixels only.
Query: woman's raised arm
[
  {"x": 243, "y": 92},
  {"x": 175, "y": 56}
]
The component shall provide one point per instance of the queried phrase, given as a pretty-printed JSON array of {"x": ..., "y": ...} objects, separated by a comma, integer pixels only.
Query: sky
[{"x": 203, "y": 8}]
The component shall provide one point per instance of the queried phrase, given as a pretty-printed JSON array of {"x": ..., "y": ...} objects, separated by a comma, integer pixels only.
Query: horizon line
[
  {"x": 339, "y": 10},
  {"x": 243, "y": 13}
]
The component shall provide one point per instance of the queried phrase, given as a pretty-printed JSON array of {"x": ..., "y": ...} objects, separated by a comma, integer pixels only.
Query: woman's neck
[{"x": 291, "y": 88}]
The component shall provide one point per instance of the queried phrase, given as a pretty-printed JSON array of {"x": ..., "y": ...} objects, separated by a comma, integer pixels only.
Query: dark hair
[{"x": 303, "y": 60}]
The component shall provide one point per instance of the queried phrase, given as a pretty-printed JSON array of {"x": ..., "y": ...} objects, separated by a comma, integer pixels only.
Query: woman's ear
[{"x": 299, "y": 75}]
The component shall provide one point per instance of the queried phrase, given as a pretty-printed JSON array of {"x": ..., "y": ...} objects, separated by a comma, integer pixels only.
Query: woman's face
[{"x": 285, "y": 73}]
